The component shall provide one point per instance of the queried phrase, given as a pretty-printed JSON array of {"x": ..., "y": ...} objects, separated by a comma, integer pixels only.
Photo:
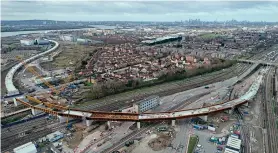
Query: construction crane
[
  {"x": 43, "y": 80},
  {"x": 47, "y": 84},
  {"x": 38, "y": 75}
]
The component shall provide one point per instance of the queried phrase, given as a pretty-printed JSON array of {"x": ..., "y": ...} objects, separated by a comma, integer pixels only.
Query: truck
[
  {"x": 220, "y": 148},
  {"x": 198, "y": 127}
]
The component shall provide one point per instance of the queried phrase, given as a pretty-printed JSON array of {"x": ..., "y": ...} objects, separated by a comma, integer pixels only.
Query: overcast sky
[{"x": 138, "y": 11}]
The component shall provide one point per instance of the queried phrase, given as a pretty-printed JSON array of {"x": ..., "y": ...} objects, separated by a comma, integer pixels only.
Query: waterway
[{"x": 7, "y": 34}]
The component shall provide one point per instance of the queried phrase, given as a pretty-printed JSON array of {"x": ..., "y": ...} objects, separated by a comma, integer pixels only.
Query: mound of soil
[{"x": 160, "y": 143}]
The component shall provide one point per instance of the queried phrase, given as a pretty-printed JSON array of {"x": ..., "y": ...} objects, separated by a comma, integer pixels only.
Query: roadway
[
  {"x": 259, "y": 62},
  {"x": 11, "y": 89}
]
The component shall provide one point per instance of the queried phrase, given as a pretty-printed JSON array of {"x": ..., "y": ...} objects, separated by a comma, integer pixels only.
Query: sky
[{"x": 86, "y": 10}]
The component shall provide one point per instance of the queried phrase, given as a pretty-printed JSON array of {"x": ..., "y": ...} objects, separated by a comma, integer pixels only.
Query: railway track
[
  {"x": 16, "y": 135},
  {"x": 189, "y": 84},
  {"x": 132, "y": 135},
  {"x": 270, "y": 123},
  {"x": 244, "y": 130}
]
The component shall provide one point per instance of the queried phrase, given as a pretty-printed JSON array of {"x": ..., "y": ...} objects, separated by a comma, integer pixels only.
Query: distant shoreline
[{"x": 40, "y": 29}]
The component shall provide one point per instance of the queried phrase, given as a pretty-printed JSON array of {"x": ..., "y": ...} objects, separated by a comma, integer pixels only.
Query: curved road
[{"x": 11, "y": 89}]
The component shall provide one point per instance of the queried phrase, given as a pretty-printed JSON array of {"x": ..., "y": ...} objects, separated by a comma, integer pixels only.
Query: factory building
[
  {"x": 27, "y": 42},
  {"x": 83, "y": 41},
  {"x": 68, "y": 38},
  {"x": 147, "y": 104},
  {"x": 162, "y": 40}
]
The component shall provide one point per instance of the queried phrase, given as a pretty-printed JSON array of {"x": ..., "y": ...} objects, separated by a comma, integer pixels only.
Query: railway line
[
  {"x": 194, "y": 82},
  {"x": 136, "y": 133},
  {"x": 270, "y": 124},
  {"x": 244, "y": 130},
  {"x": 16, "y": 135}
]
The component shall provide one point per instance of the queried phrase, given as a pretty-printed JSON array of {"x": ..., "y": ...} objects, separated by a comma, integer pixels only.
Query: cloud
[{"x": 139, "y": 10}]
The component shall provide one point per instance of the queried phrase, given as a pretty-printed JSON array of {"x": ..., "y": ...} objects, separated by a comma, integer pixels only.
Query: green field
[
  {"x": 210, "y": 36},
  {"x": 192, "y": 143}
]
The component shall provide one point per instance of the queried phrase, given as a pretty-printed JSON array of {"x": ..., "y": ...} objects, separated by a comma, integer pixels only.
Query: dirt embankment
[{"x": 160, "y": 143}]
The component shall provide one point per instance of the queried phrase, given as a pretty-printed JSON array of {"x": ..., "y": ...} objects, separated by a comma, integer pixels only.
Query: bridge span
[
  {"x": 118, "y": 116},
  {"x": 275, "y": 64}
]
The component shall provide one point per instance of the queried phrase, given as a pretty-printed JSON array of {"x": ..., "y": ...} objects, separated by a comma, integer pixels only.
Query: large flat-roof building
[
  {"x": 162, "y": 39},
  {"x": 27, "y": 42},
  {"x": 26, "y": 148}
]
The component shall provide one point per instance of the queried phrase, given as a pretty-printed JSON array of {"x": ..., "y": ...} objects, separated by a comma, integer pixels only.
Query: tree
[{"x": 84, "y": 63}]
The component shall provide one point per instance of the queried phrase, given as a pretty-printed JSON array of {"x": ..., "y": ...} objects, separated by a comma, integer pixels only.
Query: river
[{"x": 6, "y": 34}]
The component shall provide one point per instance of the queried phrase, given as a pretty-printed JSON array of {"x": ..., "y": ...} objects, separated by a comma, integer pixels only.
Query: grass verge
[{"x": 192, "y": 143}]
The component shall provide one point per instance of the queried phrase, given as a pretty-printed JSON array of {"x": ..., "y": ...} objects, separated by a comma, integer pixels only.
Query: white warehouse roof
[
  {"x": 26, "y": 148},
  {"x": 234, "y": 143}
]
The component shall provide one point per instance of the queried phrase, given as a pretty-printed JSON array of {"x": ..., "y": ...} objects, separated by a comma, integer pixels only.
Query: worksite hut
[{"x": 234, "y": 144}]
